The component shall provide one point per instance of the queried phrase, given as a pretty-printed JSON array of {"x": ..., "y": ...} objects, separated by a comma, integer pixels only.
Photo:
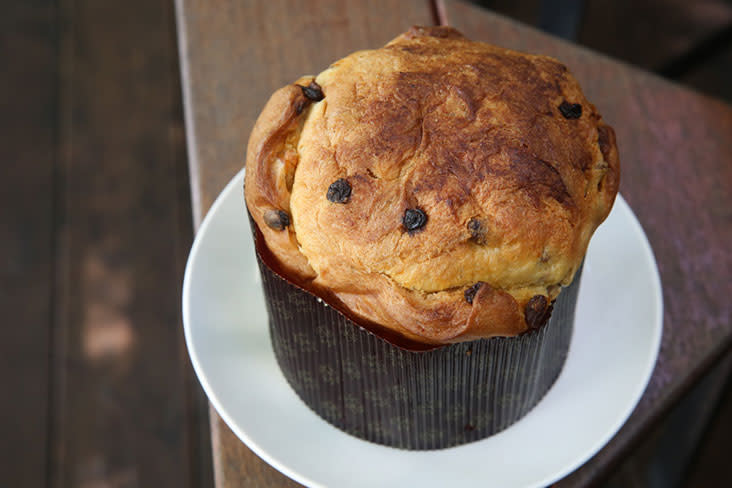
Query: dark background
[{"x": 95, "y": 227}]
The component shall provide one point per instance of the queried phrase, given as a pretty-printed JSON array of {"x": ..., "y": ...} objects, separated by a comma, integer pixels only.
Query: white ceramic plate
[{"x": 612, "y": 353}]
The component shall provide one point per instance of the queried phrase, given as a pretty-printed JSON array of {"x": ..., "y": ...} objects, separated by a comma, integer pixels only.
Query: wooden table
[{"x": 675, "y": 146}]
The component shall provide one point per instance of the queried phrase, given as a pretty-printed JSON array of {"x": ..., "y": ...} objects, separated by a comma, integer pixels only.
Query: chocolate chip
[
  {"x": 469, "y": 427},
  {"x": 477, "y": 231},
  {"x": 276, "y": 219},
  {"x": 300, "y": 106},
  {"x": 313, "y": 91},
  {"x": 537, "y": 311},
  {"x": 414, "y": 219},
  {"x": 570, "y": 110},
  {"x": 470, "y": 292},
  {"x": 339, "y": 191}
]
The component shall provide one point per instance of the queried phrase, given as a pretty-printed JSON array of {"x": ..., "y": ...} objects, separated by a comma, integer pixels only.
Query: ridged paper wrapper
[{"x": 370, "y": 384}]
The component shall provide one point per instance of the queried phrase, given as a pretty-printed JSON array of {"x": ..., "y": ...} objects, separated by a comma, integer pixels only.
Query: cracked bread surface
[{"x": 509, "y": 165}]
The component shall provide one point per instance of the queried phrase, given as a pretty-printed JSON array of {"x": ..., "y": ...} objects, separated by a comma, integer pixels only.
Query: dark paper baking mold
[{"x": 381, "y": 392}]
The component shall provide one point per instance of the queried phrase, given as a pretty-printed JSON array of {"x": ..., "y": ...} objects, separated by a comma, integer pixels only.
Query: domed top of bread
[{"x": 443, "y": 188}]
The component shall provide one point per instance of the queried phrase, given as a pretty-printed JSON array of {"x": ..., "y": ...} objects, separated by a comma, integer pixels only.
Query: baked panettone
[{"x": 442, "y": 188}]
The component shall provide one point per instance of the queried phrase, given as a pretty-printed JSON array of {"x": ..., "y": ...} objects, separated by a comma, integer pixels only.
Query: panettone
[{"x": 442, "y": 188}]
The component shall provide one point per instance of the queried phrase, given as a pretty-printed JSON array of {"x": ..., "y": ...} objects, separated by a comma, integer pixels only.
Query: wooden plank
[
  {"x": 678, "y": 25},
  {"x": 197, "y": 419},
  {"x": 711, "y": 466},
  {"x": 200, "y": 461},
  {"x": 28, "y": 114},
  {"x": 666, "y": 453},
  {"x": 714, "y": 76},
  {"x": 234, "y": 55},
  {"x": 526, "y": 11},
  {"x": 677, "y": 178},
  {"x": 236, "y": 465},
  {"x": 685, "y": 425},
  {"x": 122, "y": 404}
]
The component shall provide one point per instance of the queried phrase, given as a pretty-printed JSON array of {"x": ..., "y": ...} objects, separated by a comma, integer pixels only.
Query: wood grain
[
  {"x": 711, "y": 464},
  {"x": 231, "y": 65},
  {"x": 715, "y": 76},
  {"x": 654, "y": 32},
  {"x": 196, "y": 423},
  {"x": 122, "y": 410},
  {"x": 28, "y": 97},
  {"x": 236, "y": 465},
  {"x": 664, "y": 454},
  {"x": 675, "y": 149}
]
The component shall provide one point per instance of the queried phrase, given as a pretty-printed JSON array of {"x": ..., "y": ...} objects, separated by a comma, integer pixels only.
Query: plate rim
[{"x": 302, "y": 478}]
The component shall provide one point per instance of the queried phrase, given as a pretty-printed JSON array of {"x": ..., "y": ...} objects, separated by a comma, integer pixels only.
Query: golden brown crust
[{"x": 472, "y": 136}]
